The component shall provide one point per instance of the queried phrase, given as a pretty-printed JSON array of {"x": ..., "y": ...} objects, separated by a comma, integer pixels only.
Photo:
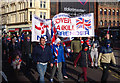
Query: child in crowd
[{"x": 16, "y": 63}]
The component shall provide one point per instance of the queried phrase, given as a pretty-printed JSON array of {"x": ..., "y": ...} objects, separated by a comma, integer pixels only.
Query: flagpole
[{"x": 108, "y": 29}]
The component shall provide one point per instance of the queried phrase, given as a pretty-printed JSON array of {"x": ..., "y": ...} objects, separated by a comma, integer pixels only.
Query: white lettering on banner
[
  {"x": 68, "y": 33},
  {"x": 65, "y": 27},
  {"x": 62, "y": 20}
]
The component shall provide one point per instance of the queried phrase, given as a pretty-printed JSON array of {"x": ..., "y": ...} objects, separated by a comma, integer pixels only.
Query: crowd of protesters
[{"x": 84, "y": 52}]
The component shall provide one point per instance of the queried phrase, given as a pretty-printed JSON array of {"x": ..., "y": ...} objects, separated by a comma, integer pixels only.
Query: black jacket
[
  {"x": 40, "y": 55},
  {"x": 84, "y": 58}
]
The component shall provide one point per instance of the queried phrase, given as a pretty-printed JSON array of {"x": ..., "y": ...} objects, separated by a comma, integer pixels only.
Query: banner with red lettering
[
  {"x": 82, "y": 26},
  {"x": 40, "y": 28}
]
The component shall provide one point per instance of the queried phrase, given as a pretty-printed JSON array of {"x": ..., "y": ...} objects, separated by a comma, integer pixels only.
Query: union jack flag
[
  {"x": 83, "y": 23},
  {"x": 53, "y": 34}
]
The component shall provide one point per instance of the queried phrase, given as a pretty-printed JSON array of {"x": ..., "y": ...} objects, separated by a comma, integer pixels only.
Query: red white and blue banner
[
  {"x": 62, "y": 25},
  {"x": 82, "y": 26},
  {"x": 40, "y": 28}
]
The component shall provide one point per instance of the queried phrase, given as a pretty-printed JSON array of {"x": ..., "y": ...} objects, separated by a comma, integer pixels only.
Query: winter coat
[
  {"x": 76, "y": 46},
  {"x": 60, "y": 56},
  {"x": 27, "y": 47},
  {"x": 106, "y": 55},
  {"x": 40, "y": 55},
  {"x": 13, "y": 48}
]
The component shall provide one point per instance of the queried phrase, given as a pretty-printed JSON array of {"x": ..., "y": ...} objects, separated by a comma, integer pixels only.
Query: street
[{"x": 93, "y": 75}]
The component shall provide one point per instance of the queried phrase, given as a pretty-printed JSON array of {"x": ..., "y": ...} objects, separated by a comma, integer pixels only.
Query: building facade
[
  {"x": 109, "y": 16},
  {"x": 17, "y": 15},
  {"x": 74, "y": 8}
]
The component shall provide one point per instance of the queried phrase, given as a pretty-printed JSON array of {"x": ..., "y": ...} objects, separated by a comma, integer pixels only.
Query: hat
[{"x": 57, "y": 40}]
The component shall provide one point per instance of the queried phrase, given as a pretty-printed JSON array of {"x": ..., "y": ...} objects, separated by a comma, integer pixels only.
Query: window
[
  {"x": 105, "y": 11},
  {"x": 113, "y": 23},
  {"x": 23, "y": 5},
  {"x": 34, "y": 3},
  {"x": 117, "y": 12},
  {"x": 117, "y": 23},
  {"x": 101, "y": 23},
  {"x": 101, "y": 11},
  {"x": 40, "y": 3},
  {"x": 113, "y": 12},
  {"x": 30, "y": 15},
  {"x": 20, "y": 17},
  {"x": 109, "y": 11},
  {"x": 44, "y": 16},
  {"x": 109, "y": 22},
  {"x": 20, "y": 6},
  {"x": 40, "y": 14},
  {"x": 30, "y": 3},
  {"x": 44, "y": 4},
  {"x": 7, "y": 9},
  {"x": 105, "y": 22}
]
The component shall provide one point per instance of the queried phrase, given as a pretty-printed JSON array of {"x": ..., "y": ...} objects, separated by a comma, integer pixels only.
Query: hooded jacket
[{"x": 106, "y": 55}]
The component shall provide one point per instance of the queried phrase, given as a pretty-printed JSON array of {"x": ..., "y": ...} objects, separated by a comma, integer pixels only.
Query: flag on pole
[
  {"x": 108, "y": 29},
  {"x": 53, "y": 34}
]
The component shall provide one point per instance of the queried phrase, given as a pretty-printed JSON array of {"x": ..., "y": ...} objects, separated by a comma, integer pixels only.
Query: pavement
[{"x": 31, "y": 76}]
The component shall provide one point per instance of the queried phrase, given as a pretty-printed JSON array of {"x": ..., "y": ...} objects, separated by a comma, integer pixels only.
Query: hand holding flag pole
[{"x": 108, "y": 29}]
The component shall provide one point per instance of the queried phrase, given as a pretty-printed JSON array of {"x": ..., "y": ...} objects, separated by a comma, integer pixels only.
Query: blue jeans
[{"x": 41, "y": 70}]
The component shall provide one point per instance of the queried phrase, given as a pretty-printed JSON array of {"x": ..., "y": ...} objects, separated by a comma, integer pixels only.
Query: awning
[
  {"x": 27, "y": 29},
  {"x": 14, "y": 30}
]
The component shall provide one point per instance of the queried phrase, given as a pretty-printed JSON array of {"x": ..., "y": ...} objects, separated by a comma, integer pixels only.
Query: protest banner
[
  {"x": 82, "y": 26},
  {"x": 40, "y": 28}
]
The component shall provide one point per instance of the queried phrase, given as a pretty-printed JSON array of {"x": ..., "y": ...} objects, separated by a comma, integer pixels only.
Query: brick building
[{"x": 109, "y": 16}]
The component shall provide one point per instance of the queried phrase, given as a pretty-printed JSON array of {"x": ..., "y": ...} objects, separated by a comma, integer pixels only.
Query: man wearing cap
[
  {"x": 58, "y": 57},
  {"x": 41, "y": 56},
  {"x": 105, "y": 57}
]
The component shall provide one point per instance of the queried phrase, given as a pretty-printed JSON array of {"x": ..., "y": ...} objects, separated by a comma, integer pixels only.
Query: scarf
[{"x": 56, "y": 54}]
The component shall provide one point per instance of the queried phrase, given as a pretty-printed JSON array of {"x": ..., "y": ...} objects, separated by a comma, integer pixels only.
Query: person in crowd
[
  {"x": 16, "y": 63},
  {"x": 106, "y": 38},
  {"x": 15, "y": 37},
  {"x": 110, "y": 39},
  {"x": 19, "y": 43},
  {"x": 82, "y": 41},
  {"x": 105, "y": 57},
  {"x": 88, "y": 41},
  {"x": 94, "y": 52},
  {"x": 76, "y": 47},
  {"x": 58, "y": 57},
  {"x": 5, "y": 49},
  {"x": 83, "y": 57},
  {"x": 66, "y": 54},
  {"x": 27, "y": 52},
  {"x": 41, "y": 55},
  {"x": 13, "y": 48}
]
